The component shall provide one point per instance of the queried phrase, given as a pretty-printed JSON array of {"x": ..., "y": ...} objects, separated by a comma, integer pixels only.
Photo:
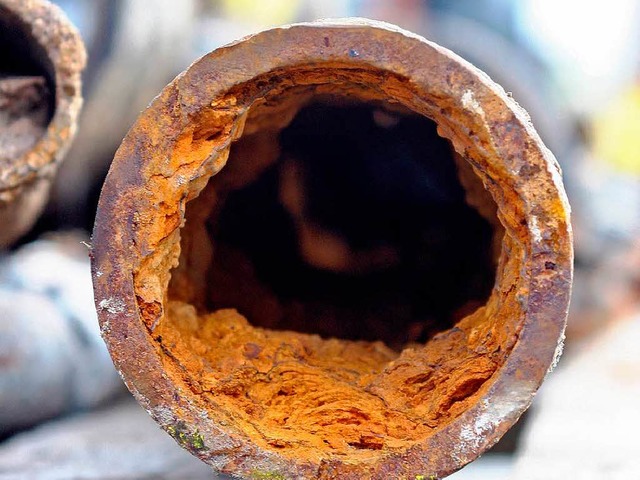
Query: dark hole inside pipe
[
  {"x": 359, "y": 230},
  {"x": 21, "y": 56}
]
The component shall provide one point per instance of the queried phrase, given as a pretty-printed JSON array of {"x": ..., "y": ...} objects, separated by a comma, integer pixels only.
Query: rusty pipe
[
  {"x": 40, "y": 98},
  {"x": 260, "y": 391}
]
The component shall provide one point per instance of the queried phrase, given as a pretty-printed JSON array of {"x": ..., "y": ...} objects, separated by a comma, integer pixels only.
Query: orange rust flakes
[{"x": 297, "y": 391}]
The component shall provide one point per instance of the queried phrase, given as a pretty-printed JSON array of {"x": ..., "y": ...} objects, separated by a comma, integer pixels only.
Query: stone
[
  {"x": 120, "y": 442},
  {"x": 52, "y": 358},
  {"x": 35, "y": 360}
]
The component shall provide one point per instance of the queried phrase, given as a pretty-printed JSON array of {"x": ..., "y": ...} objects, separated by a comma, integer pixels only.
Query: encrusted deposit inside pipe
[{"x": 332, "y": 290}]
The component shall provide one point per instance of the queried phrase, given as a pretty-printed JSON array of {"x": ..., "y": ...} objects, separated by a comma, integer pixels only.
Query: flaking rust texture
[
  {"x": 259, "y": 403},
  {"x": 40, "y": 98}
]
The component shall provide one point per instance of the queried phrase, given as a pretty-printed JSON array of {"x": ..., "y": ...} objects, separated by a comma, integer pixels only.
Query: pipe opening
[
  {"x": 334, "y": 288},
  {"x": 358, "y": 229},
  {"x": 27, "y": 99}
]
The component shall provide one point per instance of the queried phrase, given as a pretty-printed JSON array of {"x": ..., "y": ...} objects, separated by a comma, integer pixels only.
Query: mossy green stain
[
  {"x": 194, "y": 441},
  {"x": 197, "y": 441}
]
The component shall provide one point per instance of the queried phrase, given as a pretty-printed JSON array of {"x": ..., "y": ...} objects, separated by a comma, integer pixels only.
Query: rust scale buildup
[{"x": 333, "y": 250}]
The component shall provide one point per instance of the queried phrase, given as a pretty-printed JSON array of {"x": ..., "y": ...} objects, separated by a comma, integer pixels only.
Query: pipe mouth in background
[
  {"x": 41, "y": 58},
  {"x": 27, "y": 88}
]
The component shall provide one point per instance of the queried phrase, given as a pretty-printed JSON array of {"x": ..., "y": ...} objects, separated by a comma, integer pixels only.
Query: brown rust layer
[{"x": 427, "y": 410}]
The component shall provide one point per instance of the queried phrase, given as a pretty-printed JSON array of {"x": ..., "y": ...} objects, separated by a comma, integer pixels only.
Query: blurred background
[{"x": 573, "y": 65}]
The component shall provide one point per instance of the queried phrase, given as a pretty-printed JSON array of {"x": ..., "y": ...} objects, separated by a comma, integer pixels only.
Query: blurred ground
[
  {"x": 123, "y": 443},
  {"x": 587, "y": 419}
]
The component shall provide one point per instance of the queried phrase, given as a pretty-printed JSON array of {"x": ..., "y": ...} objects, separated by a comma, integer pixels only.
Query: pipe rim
[{"x": 118, "y": 237}]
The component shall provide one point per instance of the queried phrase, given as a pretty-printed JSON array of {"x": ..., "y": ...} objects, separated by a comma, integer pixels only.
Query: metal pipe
[
  {"x": 40, "y": 97},
  {"x": 262, "y": 396}
]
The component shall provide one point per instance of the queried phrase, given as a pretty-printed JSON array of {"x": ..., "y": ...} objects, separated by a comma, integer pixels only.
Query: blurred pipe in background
[
  {"x": 137, "y": 46},
  {"x": 41, "y": 59}
]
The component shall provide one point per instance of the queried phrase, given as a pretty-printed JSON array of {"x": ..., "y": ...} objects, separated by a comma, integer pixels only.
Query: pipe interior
[
  {"x": 343, "y": 286},
  {"x": 357, "y": 229}
]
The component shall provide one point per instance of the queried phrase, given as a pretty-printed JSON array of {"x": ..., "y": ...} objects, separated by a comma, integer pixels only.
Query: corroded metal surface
[
  {"x": 468, "y": 384},
  {"x": 25, "y": 179}
]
